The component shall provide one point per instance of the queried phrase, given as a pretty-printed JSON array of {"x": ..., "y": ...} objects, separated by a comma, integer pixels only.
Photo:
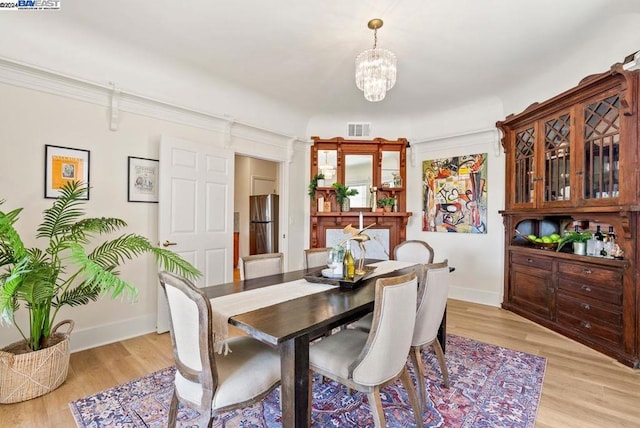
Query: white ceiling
[{"x": 302, "y": 52}]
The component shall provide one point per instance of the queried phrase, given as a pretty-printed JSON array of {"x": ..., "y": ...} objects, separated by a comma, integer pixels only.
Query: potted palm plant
[
  {"x": 342, "y": 195},
  {"x": 63, "y": 273}
]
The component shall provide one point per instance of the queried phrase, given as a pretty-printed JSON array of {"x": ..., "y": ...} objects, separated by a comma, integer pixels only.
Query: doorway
[{"x": 252, "y": 177}]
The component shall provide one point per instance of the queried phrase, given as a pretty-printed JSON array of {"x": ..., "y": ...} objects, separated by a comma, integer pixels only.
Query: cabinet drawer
[
  {"x": 609, "y": 295},
  {"x": 538, "y": 262},
  {"x": 591, "y": 330},
  {"x": 589, "y": 311},
  {"x": 599, "y": 276}
]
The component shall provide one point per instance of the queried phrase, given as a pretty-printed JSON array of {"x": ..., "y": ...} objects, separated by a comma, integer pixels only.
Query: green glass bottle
[{"x": 348, "y": 264}]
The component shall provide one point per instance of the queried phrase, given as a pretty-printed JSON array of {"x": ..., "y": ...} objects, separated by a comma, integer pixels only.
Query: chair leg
[
  {"x": 376, "y": 408},
  {"x": 405, "y": 377},
  {"x": 173, "y": 411},
  {"x": 416, "y": 360},
  {"x": 443, "y": 366}
]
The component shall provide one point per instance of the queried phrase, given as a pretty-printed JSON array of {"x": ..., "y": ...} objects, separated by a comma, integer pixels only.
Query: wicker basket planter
[{"x": 25, "y": 375}]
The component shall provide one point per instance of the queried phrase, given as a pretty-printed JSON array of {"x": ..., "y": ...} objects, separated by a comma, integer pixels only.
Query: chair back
[
  {"x": 432, "y": 301},
  {"x": 385, "y": 352},
  {"x": 260, "y": 265},
  {"x": 192, "y": 339},
  {"x": 316, "y": 257},
  {"x": 413, "y": 251}
]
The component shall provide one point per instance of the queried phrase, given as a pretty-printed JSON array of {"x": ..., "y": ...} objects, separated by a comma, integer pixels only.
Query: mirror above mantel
[{"x": 358, "y": 175}]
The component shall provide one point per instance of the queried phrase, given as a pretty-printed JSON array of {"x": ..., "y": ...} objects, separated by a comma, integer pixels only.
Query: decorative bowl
[{"x": 542, "y": 245}]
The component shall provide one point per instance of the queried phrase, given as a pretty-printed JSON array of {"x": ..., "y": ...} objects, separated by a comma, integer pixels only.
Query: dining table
[{"x": 292, "y": 325}]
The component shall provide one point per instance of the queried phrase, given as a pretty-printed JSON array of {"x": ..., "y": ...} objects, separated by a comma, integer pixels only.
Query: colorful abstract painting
[{"x": 455, "y": 194}]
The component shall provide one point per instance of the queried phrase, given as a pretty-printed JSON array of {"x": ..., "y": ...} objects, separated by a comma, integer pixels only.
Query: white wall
[
  {"x": 478, "y": 258},
  {"x": 33, "y": 118}
]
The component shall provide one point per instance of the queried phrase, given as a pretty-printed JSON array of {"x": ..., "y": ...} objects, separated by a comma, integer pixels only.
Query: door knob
[{"x": 167, "y": 243}]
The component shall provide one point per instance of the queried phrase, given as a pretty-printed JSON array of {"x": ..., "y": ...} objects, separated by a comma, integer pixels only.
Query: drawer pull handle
[
  {"x": 587, "y": 289},
  {"x": 586, "y": 324},
  {"x": 530, "y": 260},
  {"x": 587, "y": 271},
  {"x": 585, "y": 306}
]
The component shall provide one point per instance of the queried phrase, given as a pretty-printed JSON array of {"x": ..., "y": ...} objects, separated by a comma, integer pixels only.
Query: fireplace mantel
[{"x": 395, "y": 222}]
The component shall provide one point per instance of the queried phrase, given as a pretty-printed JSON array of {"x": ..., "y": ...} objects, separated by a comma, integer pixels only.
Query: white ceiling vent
[{"x": 358, "y": 129}]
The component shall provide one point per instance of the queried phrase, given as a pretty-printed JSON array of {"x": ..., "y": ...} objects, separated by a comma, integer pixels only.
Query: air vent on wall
[{"x": 355, "y": 129}]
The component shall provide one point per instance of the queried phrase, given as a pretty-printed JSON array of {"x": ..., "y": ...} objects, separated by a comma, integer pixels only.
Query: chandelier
[{"x": 375, "y": 68}]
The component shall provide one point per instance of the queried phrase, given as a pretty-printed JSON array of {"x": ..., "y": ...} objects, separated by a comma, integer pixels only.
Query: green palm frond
[
  {"x": 100, "y": 278},
  {"x": 83, "y": 229},
  {"x": 9, "y": 285},
  {"x": 120, "y": 249},
  {"x": 66, "y": 210},
  {"x": 174, "y": 263},
  {"x": 126, "y": 247},
  {"x": 12, "y": 247},
  {"x": 80, "y": 295}
]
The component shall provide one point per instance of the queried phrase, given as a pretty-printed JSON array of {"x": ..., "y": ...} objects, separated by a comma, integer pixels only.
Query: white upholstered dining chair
[
  {"x": 413, "y": 251},
  {"x": 204, "y": 381},
  {"x": 260, "y": 265},
  {"x": 316, "y": 257},
  {"x": 367, "y": 361},
  {"x": 433, "y": 291},
  {"x": 432, "y": 301}
]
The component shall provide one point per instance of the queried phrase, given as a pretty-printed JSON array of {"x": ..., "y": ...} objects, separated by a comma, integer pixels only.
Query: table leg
[{"x": 295, "y": 386}]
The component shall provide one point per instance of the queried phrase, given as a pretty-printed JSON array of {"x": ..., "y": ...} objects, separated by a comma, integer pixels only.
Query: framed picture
[
  {"x": 64, "y": 164},
  {"x": 143, "y": 180}
]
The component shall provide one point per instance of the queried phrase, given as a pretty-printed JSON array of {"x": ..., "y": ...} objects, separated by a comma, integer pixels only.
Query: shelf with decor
[
  {"x": 571, "y": 162},
  {"x": 376, "y": 169}
]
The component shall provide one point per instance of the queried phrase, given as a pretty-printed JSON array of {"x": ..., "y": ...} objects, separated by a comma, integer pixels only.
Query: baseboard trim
[
  {"x": 482, "y": 297},
  {"x": 110, "y": 333}
]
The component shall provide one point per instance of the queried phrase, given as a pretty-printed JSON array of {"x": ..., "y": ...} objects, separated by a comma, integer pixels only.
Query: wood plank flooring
[{"x": 582, "y": 388}]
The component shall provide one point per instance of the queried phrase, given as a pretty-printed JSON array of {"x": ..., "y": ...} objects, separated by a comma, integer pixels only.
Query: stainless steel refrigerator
[{"x": 263, "y": 224}]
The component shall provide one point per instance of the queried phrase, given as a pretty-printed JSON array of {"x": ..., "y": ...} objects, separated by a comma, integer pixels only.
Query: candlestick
[{"x": 361, "y": 221}]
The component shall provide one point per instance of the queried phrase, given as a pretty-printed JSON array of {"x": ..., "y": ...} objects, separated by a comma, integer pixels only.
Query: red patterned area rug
[{"x": 490, "y": 387}]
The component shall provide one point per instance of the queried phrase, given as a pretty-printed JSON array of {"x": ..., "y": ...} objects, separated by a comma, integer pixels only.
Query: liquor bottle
[
  {"x": 348, "y": 264},
  {"x": 610, "y": 241},
  {"x": 598, "y": 235}
]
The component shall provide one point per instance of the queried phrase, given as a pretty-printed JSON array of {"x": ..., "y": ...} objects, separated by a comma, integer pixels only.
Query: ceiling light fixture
[{"x": 375, "y": 68}]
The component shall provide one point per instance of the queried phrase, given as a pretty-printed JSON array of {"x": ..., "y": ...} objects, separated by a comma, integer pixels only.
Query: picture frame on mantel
[
  {"x": 62, "y": 165},
  {"x": 142, "y": 179}
]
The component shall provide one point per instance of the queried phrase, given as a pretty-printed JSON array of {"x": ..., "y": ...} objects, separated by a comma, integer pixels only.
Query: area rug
[{"x": 490, "y": 387}]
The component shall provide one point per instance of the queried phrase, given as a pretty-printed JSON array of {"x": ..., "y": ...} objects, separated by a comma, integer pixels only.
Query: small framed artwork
[
  {"x": 143, "y": 180},
  {"x": 64, "y": 164}
]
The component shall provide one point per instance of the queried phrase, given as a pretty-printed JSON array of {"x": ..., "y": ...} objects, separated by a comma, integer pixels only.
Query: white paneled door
[{"x": 196, "y": 211}]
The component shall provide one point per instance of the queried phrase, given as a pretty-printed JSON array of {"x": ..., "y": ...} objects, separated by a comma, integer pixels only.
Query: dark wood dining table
[{"x": 292, "y": 325}]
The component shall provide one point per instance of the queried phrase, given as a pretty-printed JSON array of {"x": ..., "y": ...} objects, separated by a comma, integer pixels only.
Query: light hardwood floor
[{"x": 582, "y": 388}]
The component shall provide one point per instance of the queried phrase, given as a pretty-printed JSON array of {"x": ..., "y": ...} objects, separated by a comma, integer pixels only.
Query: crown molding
[
  {"x": 119, "y": 100},
  {"x": 458, "y": 140}
]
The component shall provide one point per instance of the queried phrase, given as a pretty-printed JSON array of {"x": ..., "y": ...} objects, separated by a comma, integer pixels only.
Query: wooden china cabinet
[
  {"x": 377, "y": 169},
  {"x": 572, "y": 161}
]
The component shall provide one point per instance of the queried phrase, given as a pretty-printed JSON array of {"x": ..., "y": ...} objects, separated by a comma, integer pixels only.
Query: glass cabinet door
[
  {"x": 557, "y": 155},
  {"x": 524, "y": 154},
  {"x": 602, "y": 148}
]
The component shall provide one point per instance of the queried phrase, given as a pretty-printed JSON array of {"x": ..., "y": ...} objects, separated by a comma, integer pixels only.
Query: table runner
[{"x": 224, "y": 307}]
